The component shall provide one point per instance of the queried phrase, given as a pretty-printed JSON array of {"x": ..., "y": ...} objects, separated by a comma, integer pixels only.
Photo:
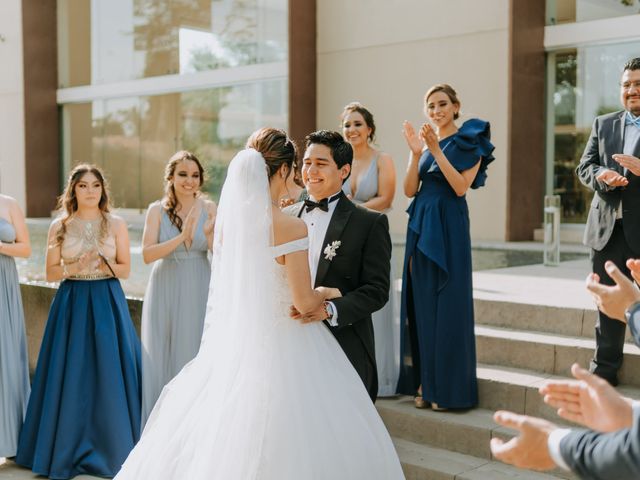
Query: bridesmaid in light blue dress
[
  {"x": 177, "y": 236},
  {"x": 372, "y": 185},
  {"x": 14, "y": 362}
]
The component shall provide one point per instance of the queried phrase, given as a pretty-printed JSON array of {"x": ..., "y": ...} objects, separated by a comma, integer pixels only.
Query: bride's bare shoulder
[{"x": 287, "y": 228}]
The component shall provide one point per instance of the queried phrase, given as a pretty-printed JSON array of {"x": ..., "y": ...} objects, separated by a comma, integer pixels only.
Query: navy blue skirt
[{"x": 84, "y": 412}]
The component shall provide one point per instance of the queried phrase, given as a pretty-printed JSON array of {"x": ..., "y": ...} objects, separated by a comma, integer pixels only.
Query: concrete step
[
  {"x": 546, "y": 353},
  {"x": 506, "y": 388},
  {"x": 465, "y": 432},
  {"x": 570, "y": 321},
  {"x": 421, "y": 462}
]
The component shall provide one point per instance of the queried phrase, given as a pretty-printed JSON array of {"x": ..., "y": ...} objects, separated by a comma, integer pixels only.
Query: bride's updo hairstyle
[{"x": 276, "y": 148}]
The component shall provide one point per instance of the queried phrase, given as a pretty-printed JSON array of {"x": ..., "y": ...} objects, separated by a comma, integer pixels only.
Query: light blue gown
[
  {"x": 386, "y": 325},
  {"x": 173, "y": 311},
  {"x": 14, "y": 362}
]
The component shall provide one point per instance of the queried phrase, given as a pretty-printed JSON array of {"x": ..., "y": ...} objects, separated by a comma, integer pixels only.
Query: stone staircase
[{"x": 532, "y": 323}]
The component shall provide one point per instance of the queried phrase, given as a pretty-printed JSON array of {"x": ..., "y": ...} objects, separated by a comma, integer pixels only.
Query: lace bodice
[{"x": 81, "y": 237}]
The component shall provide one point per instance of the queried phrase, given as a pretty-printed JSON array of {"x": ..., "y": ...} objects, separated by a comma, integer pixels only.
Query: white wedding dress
[{"x": 266, "y": 398}]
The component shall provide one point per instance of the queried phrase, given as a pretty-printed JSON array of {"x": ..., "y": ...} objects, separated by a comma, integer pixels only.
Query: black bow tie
[{"x": 322, "y": 204}]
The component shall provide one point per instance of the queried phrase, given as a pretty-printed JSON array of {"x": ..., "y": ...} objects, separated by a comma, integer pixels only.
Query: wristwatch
[{"x": 328, "y": 310}]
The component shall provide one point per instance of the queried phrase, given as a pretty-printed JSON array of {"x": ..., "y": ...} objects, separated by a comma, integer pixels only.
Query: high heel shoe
[
  {"x": 436, "y": 408},
  {"x": 420, "y": 402}
]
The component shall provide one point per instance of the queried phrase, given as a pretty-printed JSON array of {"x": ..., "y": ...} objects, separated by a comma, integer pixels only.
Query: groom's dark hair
[{"x": 341, "y": 151}]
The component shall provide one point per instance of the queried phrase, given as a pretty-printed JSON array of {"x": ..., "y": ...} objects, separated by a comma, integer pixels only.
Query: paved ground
[
  {"x": 561, "y": 286},
  {"x": 9, "y": 471}
]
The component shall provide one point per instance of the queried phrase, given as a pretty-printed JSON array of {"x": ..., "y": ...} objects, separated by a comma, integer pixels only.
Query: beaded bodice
[{"x": 83, "y": 236}]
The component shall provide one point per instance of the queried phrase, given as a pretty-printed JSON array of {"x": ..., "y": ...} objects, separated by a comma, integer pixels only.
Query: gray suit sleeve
[
  {"x": 604, "y": 456},
  {"x": 634, "y": 322},
  {"x": 590, "y": 165}
]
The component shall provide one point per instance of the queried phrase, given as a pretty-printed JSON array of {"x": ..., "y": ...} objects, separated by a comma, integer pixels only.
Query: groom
[{"x": 349, "y": 249}]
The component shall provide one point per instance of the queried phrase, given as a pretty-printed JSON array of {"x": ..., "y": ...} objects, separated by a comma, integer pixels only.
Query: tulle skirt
[
  {"x": 296, "y": 409},
  {"x": 84, "y": 411}
]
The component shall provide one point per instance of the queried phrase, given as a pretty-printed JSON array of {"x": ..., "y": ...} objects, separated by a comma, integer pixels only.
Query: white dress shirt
[
  {"x": 631, "y": 138},
  {"x": 317, "y": 224}
]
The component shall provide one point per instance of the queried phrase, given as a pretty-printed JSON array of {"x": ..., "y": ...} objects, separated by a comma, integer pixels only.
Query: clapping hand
[
  {"x": 415, "y": 143},
  {"x": 588, "y": 401},
  {"x": 612, "y": 178},
  {"x": 286, "y": 202},
  {"x": 89, "y": 261},
  {"x": 209, "y": 223},
  {"x": 527, "y": 450},
  {"x": 189, "y": 226},
  {"x": 614, "y": 300},
  {"x": 430, "y": 137},
  {"x": 629, "y": 162},
  {"x": 634, "y": 265}
]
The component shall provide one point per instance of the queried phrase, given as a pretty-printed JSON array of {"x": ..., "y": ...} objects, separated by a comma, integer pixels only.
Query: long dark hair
[
  {"x": 68, "y": 203},
  {"x": 170, "y": 201}
]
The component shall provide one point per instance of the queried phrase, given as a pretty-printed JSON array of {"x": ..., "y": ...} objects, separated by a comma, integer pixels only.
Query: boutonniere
[{"x": 330, "y": 249}]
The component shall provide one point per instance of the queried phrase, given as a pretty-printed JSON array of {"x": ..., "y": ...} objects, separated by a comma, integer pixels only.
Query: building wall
[
  {"x": 12, "y": 148},
  {"x": 386, "y": 55}
]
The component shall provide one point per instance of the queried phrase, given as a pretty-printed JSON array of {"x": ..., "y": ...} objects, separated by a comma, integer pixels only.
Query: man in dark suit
[
  {"x": 611, "y": 446},
  {"x": 611, "y": 168},
  {"x": 349, "y": 249}
]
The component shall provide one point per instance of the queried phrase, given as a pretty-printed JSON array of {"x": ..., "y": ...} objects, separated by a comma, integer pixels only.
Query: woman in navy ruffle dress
[{"x": 438, "y": 362}]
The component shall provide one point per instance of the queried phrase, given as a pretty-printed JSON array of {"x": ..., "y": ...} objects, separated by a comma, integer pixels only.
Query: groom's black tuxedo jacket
[{"x": 361, "y": 271}]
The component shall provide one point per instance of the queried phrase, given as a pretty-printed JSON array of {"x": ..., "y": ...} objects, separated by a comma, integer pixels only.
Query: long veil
[{"x": 227, "y": 382}]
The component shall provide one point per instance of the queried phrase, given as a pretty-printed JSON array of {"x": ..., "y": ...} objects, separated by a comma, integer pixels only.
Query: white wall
[
  {"x": 387, "y": 54},
  {"x": 12, "y": 164}
]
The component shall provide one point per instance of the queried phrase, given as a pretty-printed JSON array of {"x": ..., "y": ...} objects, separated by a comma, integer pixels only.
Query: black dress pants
[{"x": 610, "y": 332}]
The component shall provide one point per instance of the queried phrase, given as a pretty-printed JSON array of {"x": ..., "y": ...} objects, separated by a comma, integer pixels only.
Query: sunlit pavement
[{"x": 9, "y": 470}]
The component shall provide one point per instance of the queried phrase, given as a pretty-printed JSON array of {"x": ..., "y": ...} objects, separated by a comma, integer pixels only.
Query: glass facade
[
  {"x": 106, "y": 41},
  {"x": 132, "y": 137},
  {"x": 570, "y": 11},
  {"x": 584, "y": 84}
]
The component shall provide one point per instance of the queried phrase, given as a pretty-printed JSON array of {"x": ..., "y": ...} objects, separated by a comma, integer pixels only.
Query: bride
[{"x": 266, "y": 398}]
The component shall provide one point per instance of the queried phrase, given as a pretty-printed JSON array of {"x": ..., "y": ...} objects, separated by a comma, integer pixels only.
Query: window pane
[
  {"x": 570, "y": 11},
  {"x": 133, "y": 138},
  {"x": 103, "y": 42},
  {"x": 586, "y": 85}
]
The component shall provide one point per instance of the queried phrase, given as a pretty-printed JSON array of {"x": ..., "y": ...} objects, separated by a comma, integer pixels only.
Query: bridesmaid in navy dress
[
  {"x": 14, "y": 362},
  {"x": 84, "y": 411},
  {"x": 438, "y": 341}
]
